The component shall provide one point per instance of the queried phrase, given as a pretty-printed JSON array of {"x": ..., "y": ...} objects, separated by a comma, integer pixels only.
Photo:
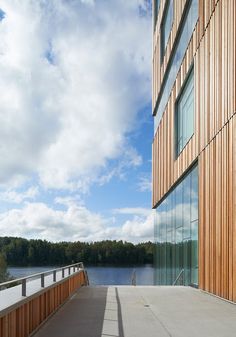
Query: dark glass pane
[
  {"x": 185, "y": 114},
  {"x": 194, "y": 194},
  {"x": 168, "y": 259},
  {"x": 186, "y": 206},
  {"x": 179, "y": 206},
  {"x": 194, "y": 253},
  {"x": 155, "y": 11},
  {"x": 166, "y": 26},
  {"x": 176, "y": 236},
  {"x": 187, "y": 262}
]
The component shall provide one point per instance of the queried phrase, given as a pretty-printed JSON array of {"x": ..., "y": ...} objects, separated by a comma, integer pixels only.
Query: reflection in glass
[
  {"x": 166, "y": 26},
  {"x": 176, "y": 233},
  {"x": 155, "y": 11},
  {"x": 185, "y": 114}
]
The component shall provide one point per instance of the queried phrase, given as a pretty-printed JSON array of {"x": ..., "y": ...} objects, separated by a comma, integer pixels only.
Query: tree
[{"x": 4, "y": 275}]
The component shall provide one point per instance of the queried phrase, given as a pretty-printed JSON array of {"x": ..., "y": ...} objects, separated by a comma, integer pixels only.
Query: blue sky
[{"x": 75, "y": 122}]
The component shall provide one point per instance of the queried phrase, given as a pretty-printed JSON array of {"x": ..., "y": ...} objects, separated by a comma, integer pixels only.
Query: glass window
[
  {"x": 176, "y": 233},
  {"x": 185, "y": 114},
  {"x": 186, "y": 206},
  {"x": 155, "y": 11},
  {"x": 166, "y": 26},
  {"x": 176, "y": 58}
]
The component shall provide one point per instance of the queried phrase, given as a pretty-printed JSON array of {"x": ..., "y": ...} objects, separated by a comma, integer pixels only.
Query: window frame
[{"x": 188, "y": 76}]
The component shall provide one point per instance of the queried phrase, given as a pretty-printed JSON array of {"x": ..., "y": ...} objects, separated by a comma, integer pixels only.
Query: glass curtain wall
[{"x": 176, "y": 234}]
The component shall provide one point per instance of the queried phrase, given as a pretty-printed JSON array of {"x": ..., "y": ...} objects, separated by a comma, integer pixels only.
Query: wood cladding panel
[
  {"x": 25, "y": 319},
  {"x": 213, "y": 50},
  {"x": 217, "y": 232},
  {"x": 158, "y": 71},
  {"x": 215, "y": 98},
  {"x": 206, "y": 8}
]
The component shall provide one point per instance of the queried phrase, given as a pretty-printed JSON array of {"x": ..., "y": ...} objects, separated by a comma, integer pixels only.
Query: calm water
[{"x": 99, "y": 275}]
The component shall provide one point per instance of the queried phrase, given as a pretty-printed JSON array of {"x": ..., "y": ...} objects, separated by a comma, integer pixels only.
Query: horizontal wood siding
[
  {"x": 22, "y": 321},
  {"x": 213, "y": 50}
]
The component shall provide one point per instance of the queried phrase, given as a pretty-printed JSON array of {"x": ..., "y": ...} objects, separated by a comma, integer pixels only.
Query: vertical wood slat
[
  {"x": 217, "y": 231},
  {"x": 22, "y": 321},
  {"x": 210, "y": 117}
]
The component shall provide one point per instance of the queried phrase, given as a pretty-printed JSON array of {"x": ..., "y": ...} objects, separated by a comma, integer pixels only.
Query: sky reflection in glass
[{"x": 176, "y": 233}]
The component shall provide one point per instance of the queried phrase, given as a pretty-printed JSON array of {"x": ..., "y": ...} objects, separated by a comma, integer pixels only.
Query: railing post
[
  {"x": 74, "y": 269},
  {"x": 54, "y": 275},
  {"x": 133, "y": 278},
  {"x": 68, "y": 270},
  {"x": 23, "y": 289},
  {"x": 63, "y": 273},
  {"x": 42, "y": 280}
]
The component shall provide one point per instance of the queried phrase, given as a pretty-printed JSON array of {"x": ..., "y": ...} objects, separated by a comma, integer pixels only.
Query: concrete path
[{"x": 126, "y": 311}]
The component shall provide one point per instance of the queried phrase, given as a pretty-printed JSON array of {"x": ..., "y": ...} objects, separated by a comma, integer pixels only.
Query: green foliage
[
  {"x": 4, "y": 276},
  {"x": 19, "y": 252}
]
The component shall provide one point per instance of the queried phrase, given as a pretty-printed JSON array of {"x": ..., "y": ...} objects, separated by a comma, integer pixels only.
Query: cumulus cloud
[
  {"x": 145, "y": 184},
  {"x": 12, "y": 196},
  {"x": 72, "y": 84},
  {"x": 74, "y": 223},
  {"x": 132, "y": 211}
]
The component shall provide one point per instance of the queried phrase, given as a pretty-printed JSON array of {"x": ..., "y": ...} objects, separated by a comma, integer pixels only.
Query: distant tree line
[
  {"x": 23, "y": 252},
  {"x": 4, "y": 275}
]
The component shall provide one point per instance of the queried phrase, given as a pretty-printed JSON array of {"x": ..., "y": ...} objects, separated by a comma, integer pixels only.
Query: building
[{"x": 194, "y": 146}]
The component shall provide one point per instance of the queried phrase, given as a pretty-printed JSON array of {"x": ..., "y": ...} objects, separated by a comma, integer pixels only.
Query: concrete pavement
[{"x": 142, "y": 311}]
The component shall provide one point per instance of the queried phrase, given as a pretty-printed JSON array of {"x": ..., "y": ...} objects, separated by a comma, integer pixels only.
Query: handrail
[
  {"x": 177, "y": 278},
  {"x": 78, "y": 265}
]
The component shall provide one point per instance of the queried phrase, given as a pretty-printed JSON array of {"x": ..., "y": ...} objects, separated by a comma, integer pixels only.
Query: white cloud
[
  {"x": 145, "y": 184},
  {"x": 12, "y": 196},
  {"x": 71, "y": 83},
  {"x": 132, "y": 211},
  {"x": 74, "y": 223},
  {"x": 69, "y": 201}
]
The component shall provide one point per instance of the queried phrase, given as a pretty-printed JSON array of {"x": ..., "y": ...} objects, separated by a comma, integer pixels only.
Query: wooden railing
[{"x": 24, "y": 307}]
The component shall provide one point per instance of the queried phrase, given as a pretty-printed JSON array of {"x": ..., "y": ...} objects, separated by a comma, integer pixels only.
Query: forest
[{"x": 23, "y": 252}]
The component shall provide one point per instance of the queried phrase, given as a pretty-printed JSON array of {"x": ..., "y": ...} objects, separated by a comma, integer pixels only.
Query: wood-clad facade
[{"x": 212, "y": 147}]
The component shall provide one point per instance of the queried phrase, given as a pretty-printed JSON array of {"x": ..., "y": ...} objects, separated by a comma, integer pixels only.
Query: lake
[{"x": 99, "y": 275}]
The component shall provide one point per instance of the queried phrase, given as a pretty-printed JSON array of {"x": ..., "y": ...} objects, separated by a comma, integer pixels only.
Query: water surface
[{"x": 99, "y": 275}]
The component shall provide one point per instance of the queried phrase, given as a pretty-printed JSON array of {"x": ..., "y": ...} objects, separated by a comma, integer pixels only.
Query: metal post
[
  {"x": 133, "y": 278},
  {"x": 68, "y": 270},
  {"x": 74, "y": 269},
  {"x": 42, "y": 280},
  {"x": 63, "y": 272},
  {"x": 54, "y": 275},
  {"x": 23, "y": 290}
]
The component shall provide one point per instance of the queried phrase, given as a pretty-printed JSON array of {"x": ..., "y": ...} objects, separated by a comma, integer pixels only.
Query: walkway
[{"x": 126, "y": 311}]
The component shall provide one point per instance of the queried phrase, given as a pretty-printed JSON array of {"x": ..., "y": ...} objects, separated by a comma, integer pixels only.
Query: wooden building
[{"x": 194, "y": 146}]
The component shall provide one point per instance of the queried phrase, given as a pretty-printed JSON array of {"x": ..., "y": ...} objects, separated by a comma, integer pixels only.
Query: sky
[{"x": 75, "y": 120}]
